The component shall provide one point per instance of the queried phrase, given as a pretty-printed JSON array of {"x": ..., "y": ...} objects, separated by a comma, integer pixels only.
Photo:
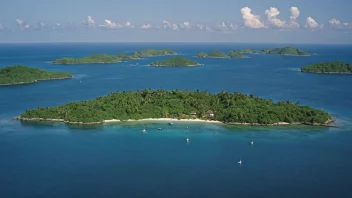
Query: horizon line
[{"x": 169, "y": 42}]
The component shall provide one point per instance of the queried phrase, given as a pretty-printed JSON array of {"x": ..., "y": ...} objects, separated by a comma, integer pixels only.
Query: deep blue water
[{"x": 116, "y": 160}]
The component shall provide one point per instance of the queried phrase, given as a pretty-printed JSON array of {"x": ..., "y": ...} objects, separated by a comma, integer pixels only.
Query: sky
[{"x": 247, "y": 21}]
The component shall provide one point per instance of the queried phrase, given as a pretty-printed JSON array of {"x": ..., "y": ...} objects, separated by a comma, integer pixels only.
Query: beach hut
[{"x": 210, "y": 113}]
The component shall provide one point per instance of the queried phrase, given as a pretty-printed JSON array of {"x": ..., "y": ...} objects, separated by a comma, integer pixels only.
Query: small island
[
  {"x": 329, "y": 68},
  {"x": 220, "y": 54},
  {"x": 224, "y": 107},
  {"x": 14, "y": 75},
  {"x": 93, "y": 59},
  {"x": 285, "y": 51},
  {"x": 236, "y": 54},
  {"x": 154, "y": 52},
  {"x": 175, "y": 62},
  {"x": 125, "y": 57}
]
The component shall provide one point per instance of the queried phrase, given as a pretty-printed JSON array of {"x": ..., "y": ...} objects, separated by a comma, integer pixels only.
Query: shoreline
[
  {"x": 326, "y": 124},
  {"x": 342, "y": 73},
  {"x": 22, "y": 83}
]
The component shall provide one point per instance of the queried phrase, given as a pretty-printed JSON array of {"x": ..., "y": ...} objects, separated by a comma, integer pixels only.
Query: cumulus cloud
[
  {"x": 272, "y": 14},
  {"x": 205, "y": 28},
  {"x": 185, "y": 25},
  {"x": 223, "y": 26},
  {"x": 294, "y": 13},
  {"x": 146, "y": 26},
  {"x": 41, "y": 26},
  {"x": 22, "y": 25},
  {"x": 112, "y": 25},
  {"x": 168, "y": 25},
  {"x": 250, "y": 20},
  {"x": 336, "y": 24},
  {"x": 312, "y": 24},
  {"x": 128, "y": 24},
  {"x": 90, "y": 22}
]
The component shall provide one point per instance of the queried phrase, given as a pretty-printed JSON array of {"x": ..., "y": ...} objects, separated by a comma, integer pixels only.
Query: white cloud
[
  {"x": 185, "y": 25},
  {"x": 168, "y": 25},
  {"x": 271, "y": 15},
  {"x": 312, "y": 24},
  {"x": 250, "y": 20},
  {"x": 22, "y": 25},
  {"x": 223, "y": 26},
  {"x": 112, "y": 25},
  {"x": 206, "y": 28},
  {"x": 90, "y": 20},
  {"x": 146, "y": 26},
  {"x": 334, "y": 21},
  {"x": 338, "y": 25},
  {"x": 128, "y": 24},
  {"x": 19, "y": 22},
  {"x": 294, "y": 13}
]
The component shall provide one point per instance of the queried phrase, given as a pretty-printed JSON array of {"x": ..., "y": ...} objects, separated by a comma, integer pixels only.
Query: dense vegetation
[
  {"x": 175, "y": 61},
  {"x": 96, "y": 58},
  {"x": 219, "y": 54},
  {"x": 332, "y": 67},
  {"x": 236, "y": 54},
  {"x": 22, "y": 74},
  {"x": 155, "y": 52},
  {"x": 286, "y": 51},
  {"x": 228, "y": 107},
  {"x": 124, "y": 56}
]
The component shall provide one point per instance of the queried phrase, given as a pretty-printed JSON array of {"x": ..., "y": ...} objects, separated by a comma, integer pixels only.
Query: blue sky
[{"x": 299, "y": 21}]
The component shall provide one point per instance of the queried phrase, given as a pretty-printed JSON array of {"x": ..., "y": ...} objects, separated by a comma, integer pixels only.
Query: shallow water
[{"x": 117, "y": 160}]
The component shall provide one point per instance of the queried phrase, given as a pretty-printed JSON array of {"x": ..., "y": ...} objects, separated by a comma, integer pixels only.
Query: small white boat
[
  {"x": 240, "y": 162},
  {"x": 187, "y": 140},
  {"x": 251, "y": 143},
  {"x": 159, "y": 129},
  {"x": 144, "y": 131}
]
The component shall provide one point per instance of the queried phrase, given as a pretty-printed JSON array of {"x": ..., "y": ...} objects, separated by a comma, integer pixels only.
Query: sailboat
[
  {"x": 239, "y": 162},
  {"x": 187, "y": 140}
]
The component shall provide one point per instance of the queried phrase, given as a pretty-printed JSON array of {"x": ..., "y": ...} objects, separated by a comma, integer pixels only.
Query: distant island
[
  {"x": 329, "y": 68},
  {"x": 14, "y": 75},
  {"x": 286, "y": 51},
  {"x": 93, "y": 59},
  {"x": 223, "y": 107},
  {"x": 155, "y": 52},
  {"x": 124, "y": 57},
  {"x": 105, "y": 58},
  {"x": 175, "y": 62},
  {"x": 220, "y": 54}
]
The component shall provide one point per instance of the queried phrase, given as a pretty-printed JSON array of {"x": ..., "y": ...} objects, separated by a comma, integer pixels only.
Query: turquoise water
[{"x": 117, "y": 160}]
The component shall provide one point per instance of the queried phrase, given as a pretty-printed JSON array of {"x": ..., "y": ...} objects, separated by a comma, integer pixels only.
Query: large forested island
[
  {"x": 175, "y": 62},
  {"x": 155, "y": 52},
  {"x": 220, "y": 54},
  {"x": 329, "y": 68},
  {"x": 96, "y": 58},
  {"x": 230, "y": 108},
  {"x": 286, "y": 51},
  {"x": 14, "y": 75}
]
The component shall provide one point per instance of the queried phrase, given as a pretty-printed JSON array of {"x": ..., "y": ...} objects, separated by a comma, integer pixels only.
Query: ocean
[{"x": 42, "y": 160}]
